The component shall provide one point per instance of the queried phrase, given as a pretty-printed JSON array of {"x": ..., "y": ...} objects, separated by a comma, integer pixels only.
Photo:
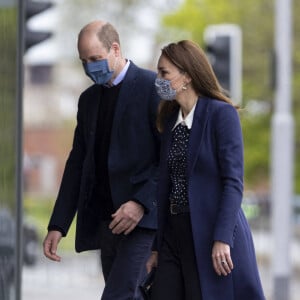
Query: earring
[{"x": 184, "y": 88}]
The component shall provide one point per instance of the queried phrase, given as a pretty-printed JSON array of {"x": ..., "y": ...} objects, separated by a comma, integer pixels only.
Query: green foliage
[
  {"x": 189, "y": 22},
  {"x": 256, "y": 131},
  {"x": 7, "y": 105}
]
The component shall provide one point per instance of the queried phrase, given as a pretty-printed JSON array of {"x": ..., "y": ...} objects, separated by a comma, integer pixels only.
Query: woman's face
[{"x": 167, "y": 70}]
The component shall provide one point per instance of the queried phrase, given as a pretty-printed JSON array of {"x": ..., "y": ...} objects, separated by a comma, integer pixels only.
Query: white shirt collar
[
  {"x": 122, "y": 74},
  {"x": 188, "y": 121}
]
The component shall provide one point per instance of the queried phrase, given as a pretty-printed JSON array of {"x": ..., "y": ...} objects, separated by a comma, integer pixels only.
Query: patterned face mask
[
  {"x": 164, "y": 89},
  {"x": 98, "y": 71}
]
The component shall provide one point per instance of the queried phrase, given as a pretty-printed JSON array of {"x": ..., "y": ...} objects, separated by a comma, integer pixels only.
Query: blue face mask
[
  {"x": 98, "y": 71},
  {"x": 164, "y": 89}
]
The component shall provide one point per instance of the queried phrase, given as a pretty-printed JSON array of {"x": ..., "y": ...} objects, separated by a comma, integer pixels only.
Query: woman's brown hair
[{"x": 188, "y": 57}]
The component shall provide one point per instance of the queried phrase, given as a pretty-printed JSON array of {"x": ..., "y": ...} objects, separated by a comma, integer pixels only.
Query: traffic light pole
[{"x": 282, "y": 152}]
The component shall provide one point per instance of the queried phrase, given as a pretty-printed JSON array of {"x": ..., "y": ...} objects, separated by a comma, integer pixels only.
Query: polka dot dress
[{"x": 177, "y": 164}]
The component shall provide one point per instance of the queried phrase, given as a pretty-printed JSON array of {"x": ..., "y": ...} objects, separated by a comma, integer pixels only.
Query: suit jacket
[
  {"x": 132, "y": 159},
  {"x": 215, "y": 189}
]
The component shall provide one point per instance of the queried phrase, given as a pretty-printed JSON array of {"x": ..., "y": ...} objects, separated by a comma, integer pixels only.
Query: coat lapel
[{"x": 199, "y": 123}]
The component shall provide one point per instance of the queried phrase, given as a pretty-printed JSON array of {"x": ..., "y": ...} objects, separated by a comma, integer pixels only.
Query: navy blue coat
[
  {"x": 132, "y": 159},
  {"x": 215, "y": 188}
]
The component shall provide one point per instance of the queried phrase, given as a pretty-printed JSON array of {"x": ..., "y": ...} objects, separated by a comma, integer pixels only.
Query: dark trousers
[
  {"x": 177, "y": 275},
  {"x": 123, "y": 261}
]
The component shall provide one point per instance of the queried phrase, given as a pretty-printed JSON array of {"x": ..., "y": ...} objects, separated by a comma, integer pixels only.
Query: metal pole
[
  {"x": 282, "y": 152},
  {"x": 19, "y": 151}
]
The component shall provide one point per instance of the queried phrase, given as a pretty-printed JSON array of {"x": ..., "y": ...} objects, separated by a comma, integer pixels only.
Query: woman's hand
[
  {"x": 152, "y": 261},
  {"x": 221, "y": 258}
]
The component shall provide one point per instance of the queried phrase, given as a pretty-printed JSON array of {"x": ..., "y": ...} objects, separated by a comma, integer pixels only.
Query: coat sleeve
[
  {"x": 66, "y": 203},
  {"x": 229, "y": 143},
  {"x": 149, "y": 185}
]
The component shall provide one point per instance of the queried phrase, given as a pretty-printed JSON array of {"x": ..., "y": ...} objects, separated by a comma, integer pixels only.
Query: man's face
[{"x": 91, "y": 49}]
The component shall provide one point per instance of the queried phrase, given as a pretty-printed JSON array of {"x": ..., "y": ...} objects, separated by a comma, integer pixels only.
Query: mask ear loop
[
  {"x": 184, "y": 86},
  {"x": 116, "y": 63}
]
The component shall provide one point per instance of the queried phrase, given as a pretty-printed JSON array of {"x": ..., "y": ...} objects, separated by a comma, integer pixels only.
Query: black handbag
[{"x": 146, "y": 284}]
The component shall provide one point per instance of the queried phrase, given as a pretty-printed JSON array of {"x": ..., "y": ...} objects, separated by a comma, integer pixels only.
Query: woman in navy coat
[{"x": 204, "y": 248}]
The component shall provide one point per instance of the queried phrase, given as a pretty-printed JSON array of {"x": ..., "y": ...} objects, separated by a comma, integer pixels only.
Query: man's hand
[
  {"x": 126, "y": 217},
  {"x": 50, "y": 245}
]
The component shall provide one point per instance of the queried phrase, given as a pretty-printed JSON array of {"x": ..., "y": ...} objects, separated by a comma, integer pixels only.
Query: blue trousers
[{"x": 123, "y": 259}]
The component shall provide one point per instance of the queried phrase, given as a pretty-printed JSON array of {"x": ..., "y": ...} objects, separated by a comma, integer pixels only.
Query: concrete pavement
[
  {"x": 79, "y": 277},
  {"x": 76, "y": 277}
]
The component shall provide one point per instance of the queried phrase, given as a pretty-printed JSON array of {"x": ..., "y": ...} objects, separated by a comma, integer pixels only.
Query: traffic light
[
  {"x": 33, "y": 8},
  {"x": 223, "y": 45}
]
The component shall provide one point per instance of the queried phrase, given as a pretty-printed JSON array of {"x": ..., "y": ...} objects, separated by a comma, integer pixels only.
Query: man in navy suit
[{"x": 111, "y": 173}]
